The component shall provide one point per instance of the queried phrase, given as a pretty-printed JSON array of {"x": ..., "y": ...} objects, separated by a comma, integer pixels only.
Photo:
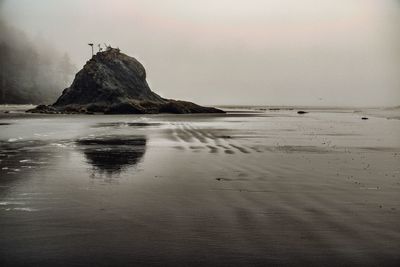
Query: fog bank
[
  {"x": 31, "y": 70},
  {"x": 287, "y": 52}
]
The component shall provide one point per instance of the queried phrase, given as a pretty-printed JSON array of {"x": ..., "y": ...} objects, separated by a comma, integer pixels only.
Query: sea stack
[{"x": 114, "y": 83}]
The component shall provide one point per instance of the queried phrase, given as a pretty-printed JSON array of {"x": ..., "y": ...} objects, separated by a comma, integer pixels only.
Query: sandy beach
[{"x": 253, "y": 187}]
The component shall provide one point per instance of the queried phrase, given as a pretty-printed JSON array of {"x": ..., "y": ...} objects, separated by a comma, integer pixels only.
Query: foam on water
[
  {"x": 7, "y": 203},
  {"x": 27, "y": 209}
]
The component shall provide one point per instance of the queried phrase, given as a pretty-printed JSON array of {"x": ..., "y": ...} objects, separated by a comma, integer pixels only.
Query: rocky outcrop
[{"x": 114, "y": 83}]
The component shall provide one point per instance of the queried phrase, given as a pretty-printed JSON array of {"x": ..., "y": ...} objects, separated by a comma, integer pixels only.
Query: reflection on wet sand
[{"x": 112, "y": 154}]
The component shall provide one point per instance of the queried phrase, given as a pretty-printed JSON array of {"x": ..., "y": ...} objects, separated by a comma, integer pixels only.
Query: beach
[{"x": 252, "y": 187}]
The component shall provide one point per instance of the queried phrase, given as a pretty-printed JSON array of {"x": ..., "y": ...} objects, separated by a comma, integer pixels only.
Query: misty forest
[{"x": 31, "y": 70}]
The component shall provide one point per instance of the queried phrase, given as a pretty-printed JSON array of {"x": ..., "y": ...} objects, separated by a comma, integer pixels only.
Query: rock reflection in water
[{"x": 113, "y": 154}]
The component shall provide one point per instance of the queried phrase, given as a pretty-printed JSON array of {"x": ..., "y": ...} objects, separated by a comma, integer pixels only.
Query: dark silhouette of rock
[
  {"x": 114, "y": 83},
  {"x": 302, "y": 112},
  {"x": 364, "y": 118}
]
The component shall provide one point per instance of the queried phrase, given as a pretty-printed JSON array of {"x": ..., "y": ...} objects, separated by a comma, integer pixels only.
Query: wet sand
[{"x": 247, "y": 188}]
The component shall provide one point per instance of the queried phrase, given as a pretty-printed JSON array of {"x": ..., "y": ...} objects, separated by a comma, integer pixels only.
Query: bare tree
[{"x": 91, "y": 44}]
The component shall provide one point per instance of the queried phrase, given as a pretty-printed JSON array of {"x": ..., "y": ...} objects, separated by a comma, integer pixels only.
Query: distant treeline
[{"x": 31, "y": 72}]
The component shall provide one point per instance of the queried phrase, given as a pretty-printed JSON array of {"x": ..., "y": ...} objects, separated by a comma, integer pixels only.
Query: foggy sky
[{"x": 272, "y": 52}]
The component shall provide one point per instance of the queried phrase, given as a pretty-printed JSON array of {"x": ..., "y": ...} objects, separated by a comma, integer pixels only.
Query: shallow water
[{"x": 251, "y": 187}]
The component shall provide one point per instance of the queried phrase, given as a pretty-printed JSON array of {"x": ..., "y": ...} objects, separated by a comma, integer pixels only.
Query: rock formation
[{"x": 114, "y": 83}]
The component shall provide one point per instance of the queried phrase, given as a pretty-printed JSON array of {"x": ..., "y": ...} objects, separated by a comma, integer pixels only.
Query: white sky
[{"x": 276, "y": 52}]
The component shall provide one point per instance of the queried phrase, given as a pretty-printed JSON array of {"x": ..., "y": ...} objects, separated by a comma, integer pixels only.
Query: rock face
[{"x": 114, "y": 83}]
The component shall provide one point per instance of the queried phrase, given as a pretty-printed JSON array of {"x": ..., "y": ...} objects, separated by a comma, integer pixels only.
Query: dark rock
[
  {"x": 302, "y": 112},
  {"x": 223, "y": 179},
  {"x": 114, "y": 83},
  {"x": 182, "y": 107},
  {"x": 364, "y": 118},
  {"x": 43, "y": 109},
  {"x": 125, "y": 108}
]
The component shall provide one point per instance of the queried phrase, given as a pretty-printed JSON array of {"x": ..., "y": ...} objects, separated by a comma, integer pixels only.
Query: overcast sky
[{"x": 274, "y": 52}]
